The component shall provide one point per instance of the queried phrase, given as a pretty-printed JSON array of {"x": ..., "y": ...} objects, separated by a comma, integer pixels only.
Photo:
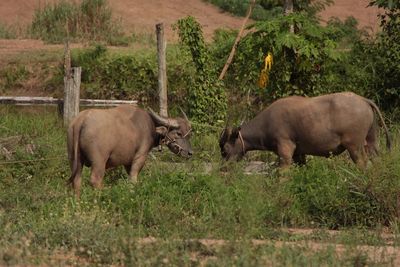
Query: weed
[
  {"x": 90, "y": 20},
  {"x": 12, "y": 75},
  {"x": 6, "y": 32}
]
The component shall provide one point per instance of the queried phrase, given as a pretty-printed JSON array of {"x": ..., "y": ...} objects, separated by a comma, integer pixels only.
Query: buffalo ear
[
  {"x": 228, "y": 131},
  {"x": 162, "y": 130}
]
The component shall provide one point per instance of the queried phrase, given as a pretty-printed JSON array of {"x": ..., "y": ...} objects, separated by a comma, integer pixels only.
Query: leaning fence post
[
  {"x": 162, "y": 70},
  {"x": 72, "y": 83},
  {"x": 71, "y": 94}
]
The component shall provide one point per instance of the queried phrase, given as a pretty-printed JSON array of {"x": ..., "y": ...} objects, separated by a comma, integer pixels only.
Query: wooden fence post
[
  {"x": 72, "y": 84},
  {"x": 162, "y": 70},
  {"x": 71, "y": 95}
]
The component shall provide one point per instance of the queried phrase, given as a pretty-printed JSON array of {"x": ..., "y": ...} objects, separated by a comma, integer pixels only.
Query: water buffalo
[
  {"x": 106, "y": 138},
  {"x": 295, "y": 126}
]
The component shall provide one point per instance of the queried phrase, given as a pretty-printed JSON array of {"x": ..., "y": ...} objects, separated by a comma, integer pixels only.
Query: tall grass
[
  {"x": 7, "y": 32},
  {"x": 90, "y": 20},
  {"x": 42, "y": 223}
]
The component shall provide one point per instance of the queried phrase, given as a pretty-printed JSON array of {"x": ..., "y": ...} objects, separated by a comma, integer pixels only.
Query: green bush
[
  {"x": 207, "y": 99},
  {"x": 12, "y": 75},
  {"x": 385, "y": 55},
  {"x": 300, "y": 58},
  {"x": 7, "y": 32},
  {"x": 117, "y": 76},
  {"x": 268, "y": 9},
  {"x": 369, "y": 67},
  {"x": 108, "y": 75},
  {"x": 90, "y": 20},
  {"x": 263, "y": 10}
]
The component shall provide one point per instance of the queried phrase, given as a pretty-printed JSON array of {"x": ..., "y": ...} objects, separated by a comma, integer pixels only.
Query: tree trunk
[
  {"x": 230, "y": 58},
  {"x": 288, "y": 9}
]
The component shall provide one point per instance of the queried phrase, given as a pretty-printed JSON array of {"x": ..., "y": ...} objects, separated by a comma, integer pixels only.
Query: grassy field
[{"x": 180, "y": 214}]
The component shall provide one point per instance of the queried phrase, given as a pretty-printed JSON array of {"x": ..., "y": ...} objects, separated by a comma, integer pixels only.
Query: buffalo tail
[{"x": 375, "y": 107}]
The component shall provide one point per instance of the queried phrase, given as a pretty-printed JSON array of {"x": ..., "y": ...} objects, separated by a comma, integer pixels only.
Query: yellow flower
[
  {"x": 268, "y": 61},
  {"x": 264, "y": 75}
]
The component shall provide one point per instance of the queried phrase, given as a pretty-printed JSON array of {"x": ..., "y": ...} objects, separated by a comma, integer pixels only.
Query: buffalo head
[
  {"x": 174, "y": 132},
  {"x": 231, "y": 143}
]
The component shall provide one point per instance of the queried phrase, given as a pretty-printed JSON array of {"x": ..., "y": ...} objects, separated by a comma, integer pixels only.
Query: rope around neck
[{"x": 242, "y": 142}]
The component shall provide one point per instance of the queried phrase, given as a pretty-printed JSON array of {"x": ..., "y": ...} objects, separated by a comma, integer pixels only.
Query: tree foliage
[
  {"x": 299, "y": 58},
  {"x": 385, "y": 53},
  {"x": 267, "y": 9},
  {"x": 207, "y": 100}
]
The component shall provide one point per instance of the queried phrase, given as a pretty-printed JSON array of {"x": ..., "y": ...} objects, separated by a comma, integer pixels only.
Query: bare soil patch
[
  {"x": 386, "y": 253},
  {"x": 140, "y": 16},
  {"x": 366, "y": 16}
]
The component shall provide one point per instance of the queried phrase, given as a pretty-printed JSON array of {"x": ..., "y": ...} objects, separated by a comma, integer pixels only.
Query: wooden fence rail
[{"x": 27, "y": 101}]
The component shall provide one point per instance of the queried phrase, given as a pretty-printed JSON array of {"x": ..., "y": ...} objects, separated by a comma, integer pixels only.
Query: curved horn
[
  {"x": 184, "y": 114},
  {"x": 172, "y": 123}
]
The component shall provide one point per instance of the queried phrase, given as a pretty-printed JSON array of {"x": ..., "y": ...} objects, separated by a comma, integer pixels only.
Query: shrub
[
  {"x": 117, "y": 76},
  {"x": 207, "y": 99},
  {"x": 109, "y": 75},
  {"x": 90, "y": 20},
  {"x": 300, "y": 58},
  {"x": 386, "y": 55},
  {"x": 7, "y": 32},
  {"x": 267, "y": 9},
  {"x": 12, "y": 75}
]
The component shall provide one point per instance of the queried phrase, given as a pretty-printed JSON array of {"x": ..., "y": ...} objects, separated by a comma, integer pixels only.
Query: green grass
[
  {"x": 7, "y": 32},
  {"x": 41, "y": 222},
  {"x": 89, "y": 20}
]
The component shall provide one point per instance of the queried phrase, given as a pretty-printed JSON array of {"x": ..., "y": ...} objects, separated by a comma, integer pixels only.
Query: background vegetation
[
  {"x": 267, "y": 9},
  {"x": 313, "y": 60}
]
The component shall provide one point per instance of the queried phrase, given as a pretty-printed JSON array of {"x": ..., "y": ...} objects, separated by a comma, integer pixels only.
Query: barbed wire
[{"x": 29, "y": 160}]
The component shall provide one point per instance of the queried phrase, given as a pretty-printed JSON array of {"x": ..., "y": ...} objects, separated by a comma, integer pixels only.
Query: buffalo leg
[
  {"x": 285, "y": 152},
  {"x": 128, "y": 169},
  {"x": 96, "y": 175},
  {"x": 299, "y": 159},
  {"x": 370, "y": 142},
  {"x": 358, "y": 155},
  {"x": 136, "y": 167}
]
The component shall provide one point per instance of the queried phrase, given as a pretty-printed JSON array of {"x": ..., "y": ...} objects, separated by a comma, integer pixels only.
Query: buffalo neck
[{"x": 255, "y": 135}]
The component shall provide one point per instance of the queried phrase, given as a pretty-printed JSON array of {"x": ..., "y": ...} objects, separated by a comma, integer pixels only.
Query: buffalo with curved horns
[
  {"x": 295, "y": 126},
  {"x": 106, "y": 138}
]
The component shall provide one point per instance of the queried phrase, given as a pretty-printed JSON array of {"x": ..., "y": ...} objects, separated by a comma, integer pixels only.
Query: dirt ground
[
  {"x": 366, "y": 16},
  {"x": 136, "y": 15}
]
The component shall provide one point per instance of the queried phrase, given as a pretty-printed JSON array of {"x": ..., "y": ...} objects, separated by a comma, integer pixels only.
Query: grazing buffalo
[
  {"x": 106, "y": 138},
  {"x": 295, "y": 126}
]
